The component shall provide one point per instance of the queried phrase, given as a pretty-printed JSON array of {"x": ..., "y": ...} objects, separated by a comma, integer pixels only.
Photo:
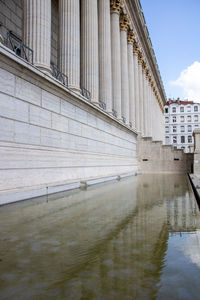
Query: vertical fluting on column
[
  {"x": 124, "y": 25},
  {"x": 105, "y": 73},
  {"x": 115, "y": 9},
  {"x": 69, "y": 19},
  {"x": 89, "y": 48},
  {"x": 141, "y": 93},
  {"x": 37, "y": 31},
  {"x": 136, "y": 85},
  {"x": 131, "y": 79},
  {"x": 144, "y": 70}
]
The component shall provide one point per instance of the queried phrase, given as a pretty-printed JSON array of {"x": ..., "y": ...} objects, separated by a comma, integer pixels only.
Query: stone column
[
  {"x": 149, "y": 110},
  {"x": 131, "y": 78},
  {"x": 89, "y": 49},
  {"x": 105, "y": 74},
  {"x": 141, "y": 93},
  {"x": 124, "y": 25},
  {"x": 37, "y": 31},
  {"x": 69, "y": 19},
  {"x": 115, "y": 56},
  {"x": 144, "y": 99},
  {"x": 136, "y": 85}
]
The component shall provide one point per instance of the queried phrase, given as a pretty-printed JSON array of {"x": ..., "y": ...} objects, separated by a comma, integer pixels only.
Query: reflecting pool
[{"x": 138, "y": 238}]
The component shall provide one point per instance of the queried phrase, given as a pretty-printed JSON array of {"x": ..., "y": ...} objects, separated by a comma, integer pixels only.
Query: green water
[{"x": 134, "y": 239}]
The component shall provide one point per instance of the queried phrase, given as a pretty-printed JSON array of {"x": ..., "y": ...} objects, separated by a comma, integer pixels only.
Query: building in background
[{"x": 181, "y": 118}]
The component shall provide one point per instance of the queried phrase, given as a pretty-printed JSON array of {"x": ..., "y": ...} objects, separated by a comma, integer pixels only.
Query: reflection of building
[
  {"x": 108, "y": 240},
  {"x": 181, "y": 118}
]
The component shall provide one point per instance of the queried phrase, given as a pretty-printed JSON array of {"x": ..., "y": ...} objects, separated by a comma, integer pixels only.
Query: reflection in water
[{"x": 124, "y": 240}]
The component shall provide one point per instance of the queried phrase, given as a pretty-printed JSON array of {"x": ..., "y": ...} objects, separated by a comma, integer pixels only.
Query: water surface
[{"x": 134, "y": 239}]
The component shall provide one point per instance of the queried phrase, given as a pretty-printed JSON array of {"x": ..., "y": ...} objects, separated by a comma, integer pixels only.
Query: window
[
  {"x": 189, "y": 108},
  {"x": 182, "y": 119},
  {"x": 189, "y": 128},
  {"x": 174, "y": 119},
  {"x": 174, "y": 128},
  {"x": 196, "y": 125},
  {"x": 195, "y": 108},
  {"x": 196, "y": 119},
  {"x": 167, "y": 140},
  {"x": 182, "y": 128},
  {"x": 166, "y": 110},
  {"x": 189, "y": 118},
  {"x": 189, "y": 139},
  {"x": 182, "y": 109},
  {"x": 166, "y": 129},
  {"x": 183, "y": 148},
  {"x": 182, "y": 139},
  {"x": 174, "y": 139},
  {"x": 166, "y": 119},
  {"x": 173, "y": 109}
]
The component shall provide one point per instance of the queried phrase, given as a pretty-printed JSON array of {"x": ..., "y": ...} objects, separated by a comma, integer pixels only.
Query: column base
[
  {"x": 74, "y": 89},
  {"x": 45, "y": 69},
  {"x": 95, "y": 102}
]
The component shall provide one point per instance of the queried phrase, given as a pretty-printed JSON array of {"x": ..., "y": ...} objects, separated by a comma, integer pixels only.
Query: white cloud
[{"x": 189, "y": 81}]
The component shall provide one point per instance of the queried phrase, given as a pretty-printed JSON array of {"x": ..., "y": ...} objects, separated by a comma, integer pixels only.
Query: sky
[{"x": 174, "y": 28}]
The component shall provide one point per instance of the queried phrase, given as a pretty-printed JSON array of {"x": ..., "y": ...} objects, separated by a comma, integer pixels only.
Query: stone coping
[{"x": 20, "y": 194}]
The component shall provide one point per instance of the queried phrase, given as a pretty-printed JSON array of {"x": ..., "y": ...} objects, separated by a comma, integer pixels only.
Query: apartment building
[{"x": 181, "y": 118}]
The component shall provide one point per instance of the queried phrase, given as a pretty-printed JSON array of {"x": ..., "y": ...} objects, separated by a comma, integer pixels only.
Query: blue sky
[{"x": 174, "y": 27}]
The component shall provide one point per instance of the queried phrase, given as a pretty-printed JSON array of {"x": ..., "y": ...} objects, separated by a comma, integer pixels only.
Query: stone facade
[{"x": 55, "y": 129}]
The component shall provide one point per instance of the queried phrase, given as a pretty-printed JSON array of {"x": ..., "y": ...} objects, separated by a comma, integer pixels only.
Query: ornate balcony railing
[
  {"x": 114, "y": 113},
  {"x": 20, "y": 49},
  {"x": 59, "y": 75},
  {"x": 123, "y": 119},
  {"x": 86, "y": 93},
  {"x": 130, "y": 125},
  {"x": 102, "y": 104}
]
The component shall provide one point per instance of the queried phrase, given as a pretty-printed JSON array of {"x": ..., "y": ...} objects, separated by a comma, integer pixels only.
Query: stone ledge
[{"x": 16, "y": 195}]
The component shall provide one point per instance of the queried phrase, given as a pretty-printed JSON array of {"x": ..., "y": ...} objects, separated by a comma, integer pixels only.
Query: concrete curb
[{"x": 195, "y": 182}]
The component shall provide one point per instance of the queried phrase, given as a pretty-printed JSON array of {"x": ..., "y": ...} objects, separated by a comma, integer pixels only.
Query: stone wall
[
  {"x": 49, "y": 134},
  {"x": 154, "y": 157}
]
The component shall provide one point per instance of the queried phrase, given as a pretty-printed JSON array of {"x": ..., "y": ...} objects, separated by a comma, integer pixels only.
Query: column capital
[
  {"x": 140, "y": 57},
  {"x": 116, "y": 6},
  {"x": 135, "y": 47},
  {"x": 124, "y": 22},
  {"x": 144, "y": 66},
  {"x": 130, "y": 36}
]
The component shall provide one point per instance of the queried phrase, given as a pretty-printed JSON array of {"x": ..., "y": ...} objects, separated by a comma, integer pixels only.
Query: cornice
[{"x": 133, "y": 7}]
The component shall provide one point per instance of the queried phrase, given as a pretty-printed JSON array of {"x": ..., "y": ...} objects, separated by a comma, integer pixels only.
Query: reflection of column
[
  {"x": 131, "y": 78},
  {"x": 89, "y": 50},
  {"x": 124, "y": 24},
  {"x": 69, "y": 18},
  {"x": 136, "y": 86},
  {"x": 37, "y": 31},
  {"x": 105, "y": 76},
  {"x": 116, "y": 60}
]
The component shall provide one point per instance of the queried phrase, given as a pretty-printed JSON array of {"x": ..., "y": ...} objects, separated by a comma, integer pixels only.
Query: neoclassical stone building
[{"x": 79, "y": 86}]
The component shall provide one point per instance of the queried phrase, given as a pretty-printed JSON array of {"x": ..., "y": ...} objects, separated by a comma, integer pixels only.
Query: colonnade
[{"x": 100, "y": 52}]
